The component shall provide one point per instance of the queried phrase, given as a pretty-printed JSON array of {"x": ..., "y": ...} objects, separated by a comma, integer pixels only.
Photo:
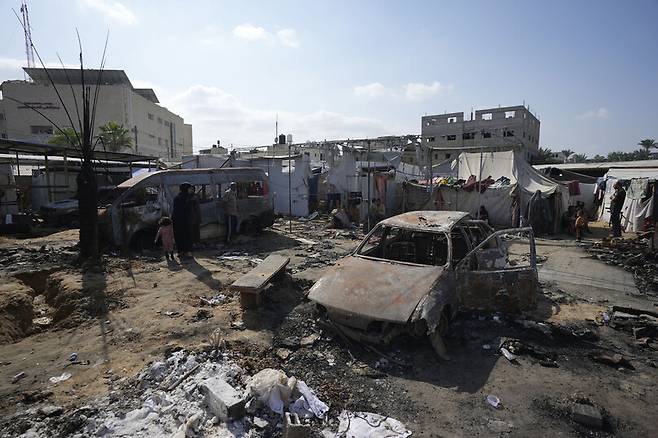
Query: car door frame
[{"x": 513, "y": 289}]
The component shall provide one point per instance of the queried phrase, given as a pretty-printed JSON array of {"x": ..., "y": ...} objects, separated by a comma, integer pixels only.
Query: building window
[
  {"x": 166, "y": 142},
  {"x": 431, "y": 139},
  {"x": 468, "y": 136},
  {"x": 150, "y": 116},
  {"x": 436, "y": 156},
  {"x": 452, "y": 119},
  {"x": 159, "y": 141},
  {"x": 447, "y": 156},
  {"x": 160, "y": 120},
  {"x": 152, "y": 136},
  {"x": 523, "y": 134},
  {"x": 487, "y": 116},
  {"x": 510, "y": 114},
  {"x": 2, "y": 116},
  {"x": 508, "y": 133},
  {"x": 166, "y": 123},
  {"x": 3, "y": 135},
  {"x": 40, "y": 130},
  {"x": 451, "y": 137},
  {"x": 486, "y": 134}
]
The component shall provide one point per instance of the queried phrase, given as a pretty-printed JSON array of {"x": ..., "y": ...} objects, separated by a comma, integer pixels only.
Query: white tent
[{"x": 634, "y": 210}]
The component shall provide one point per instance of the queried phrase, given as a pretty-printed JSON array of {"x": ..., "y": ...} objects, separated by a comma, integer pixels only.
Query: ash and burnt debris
[{"x": 634, "y": 254}]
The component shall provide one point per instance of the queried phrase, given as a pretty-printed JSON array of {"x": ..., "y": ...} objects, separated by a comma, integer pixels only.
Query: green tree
[
  {"x": 544, "y": 156},
  {"x": 566, "y": 152},
  {"x": 66, "y": 137},
  {"x": 599, "y": 158},
  {"x": 648, "y": 144},
  {"x": 114, "y": 137},
  {"x": 579, "y": 158}
]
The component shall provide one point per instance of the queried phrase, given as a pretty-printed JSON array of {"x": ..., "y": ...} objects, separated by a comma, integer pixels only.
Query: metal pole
[
  {"x": 48, "y": 179},
  {"x": 369, "y": 197},
  {"x": 480, "y": 180},
  {"x": 289, "y": 190},
  {"x": 66, "y": 173},
  {"x": 18, "y": 166}
]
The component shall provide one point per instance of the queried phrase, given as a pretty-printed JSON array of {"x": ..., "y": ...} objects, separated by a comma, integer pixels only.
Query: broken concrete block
[
  {"x": 293, "y": 427},
  {"x": 587, "y": 414},
  {"x": 224, "y": 401}
]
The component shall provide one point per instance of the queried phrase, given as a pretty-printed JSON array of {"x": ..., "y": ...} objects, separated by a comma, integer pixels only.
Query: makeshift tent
[
  {"x": 524, "y": 181},
  {"x": 639, "y": 202}
]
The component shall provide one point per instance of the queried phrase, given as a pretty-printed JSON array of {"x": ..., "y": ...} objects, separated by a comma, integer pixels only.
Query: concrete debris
[
  {"x": 614, "y": 360},
  {"x": 18, "y": 377},
  {"x": 587, "y": 414},
  {"x": 494, "y": 401},
  {"x": 222, "y": 399},
  {"x": 294, "y": 428},
  {"x": 50, "y": 411},
  {"x": 367, "y": 424}
]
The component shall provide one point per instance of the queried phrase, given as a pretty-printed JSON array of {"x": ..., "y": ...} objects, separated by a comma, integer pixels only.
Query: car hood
[{"x": 377, "y": 289}]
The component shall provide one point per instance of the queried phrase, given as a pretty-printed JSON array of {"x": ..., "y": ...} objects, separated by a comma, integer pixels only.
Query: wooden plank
[{"x": 255, "y": 280}]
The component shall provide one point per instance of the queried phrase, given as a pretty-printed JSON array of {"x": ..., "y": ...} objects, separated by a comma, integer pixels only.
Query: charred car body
[
  {"x": 132, "y": 219},
  {"x": 413, "y": 271}
]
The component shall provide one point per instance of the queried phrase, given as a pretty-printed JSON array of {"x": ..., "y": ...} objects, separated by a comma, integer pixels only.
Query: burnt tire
[{"x": 436, "y": 338}]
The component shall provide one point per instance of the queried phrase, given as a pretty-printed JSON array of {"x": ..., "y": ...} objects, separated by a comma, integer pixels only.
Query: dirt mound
[
  {"x": 77, "y": 296},
  {"x": 16, "y": 311}
]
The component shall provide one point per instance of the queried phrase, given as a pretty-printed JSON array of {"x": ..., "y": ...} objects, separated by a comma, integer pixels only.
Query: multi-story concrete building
[
  {"x": 446, "y": 135},
  {"x": 155, "y": 130}
]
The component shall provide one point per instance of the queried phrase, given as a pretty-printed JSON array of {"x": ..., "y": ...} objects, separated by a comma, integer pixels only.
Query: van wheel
[{"x": 436, "y": 338}]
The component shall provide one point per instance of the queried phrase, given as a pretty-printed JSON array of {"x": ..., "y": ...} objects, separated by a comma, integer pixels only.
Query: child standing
[
  {"x": 166, "y": 233},
  {"x": 581, "y": 224}
]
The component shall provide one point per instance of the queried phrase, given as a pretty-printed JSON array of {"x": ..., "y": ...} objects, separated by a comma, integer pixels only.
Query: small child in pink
[{"x": 166, "y": 233}]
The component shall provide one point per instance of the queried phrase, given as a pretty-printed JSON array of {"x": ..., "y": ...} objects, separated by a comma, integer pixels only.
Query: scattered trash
[
  {"x": 18, "y": 377},
  {"x": 493, "y": 401},
  {"x": 309, "y": 340},
  {"x": 283, "y": 353},
  {"x": 274, "y": 389},
  {"x": 486, "y": 347},
  {"x": 61, "y": 378},
  {"x": 73, "y": 357},
  {"x": 237, "y": 325},
  {"x": 172, "y": 314},
  {"x": 216, "y": 340},
  {"x": 509, "y": 356},
  {"x": 42, "y": 321},
  {"x": 367, "y": 424}
]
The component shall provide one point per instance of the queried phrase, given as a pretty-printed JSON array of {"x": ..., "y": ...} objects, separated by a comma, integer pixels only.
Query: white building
[{"x": 156, "y": 131}]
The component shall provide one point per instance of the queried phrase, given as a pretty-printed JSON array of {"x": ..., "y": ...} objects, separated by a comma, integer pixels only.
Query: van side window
[
  {"x": 460, "y": 246},
  {"x": 140, "y": 196},
  {"x": 203, "y": 193}
]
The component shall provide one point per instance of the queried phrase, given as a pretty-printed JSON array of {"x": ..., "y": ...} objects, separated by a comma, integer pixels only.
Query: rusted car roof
[
  {"x": 380, "y": 290},
  {"x": 426, "y": 220}
]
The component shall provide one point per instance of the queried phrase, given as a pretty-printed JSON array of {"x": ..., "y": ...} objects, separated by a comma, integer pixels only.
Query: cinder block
[
  {"x": 224, "y": 401},
  {"x": 586, "y": 414},
  {"x": 293, "y": 428}
]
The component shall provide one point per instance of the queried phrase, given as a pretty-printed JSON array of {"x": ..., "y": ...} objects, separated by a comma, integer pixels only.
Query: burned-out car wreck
[{"x": 413, "y": 272}]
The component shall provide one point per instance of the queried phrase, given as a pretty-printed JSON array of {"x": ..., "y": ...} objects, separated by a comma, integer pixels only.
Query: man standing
[
  {"x": 182, "y": 221},
  {"x": 231, "y": 205},
  {"x": 616, "y": 204}
]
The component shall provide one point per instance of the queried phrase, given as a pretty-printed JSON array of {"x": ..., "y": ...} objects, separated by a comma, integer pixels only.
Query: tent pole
[{"x": 480, "y": 182}]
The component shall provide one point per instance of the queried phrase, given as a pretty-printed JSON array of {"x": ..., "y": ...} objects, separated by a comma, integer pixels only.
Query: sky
[{"x": 353, "y": 69}]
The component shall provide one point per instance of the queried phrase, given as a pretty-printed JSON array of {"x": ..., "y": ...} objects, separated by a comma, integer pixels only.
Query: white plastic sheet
[{"x": 367, "y": 425}]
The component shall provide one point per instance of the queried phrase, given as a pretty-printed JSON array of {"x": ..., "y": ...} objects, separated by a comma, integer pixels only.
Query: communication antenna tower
[{"x": 29, "y": 51}]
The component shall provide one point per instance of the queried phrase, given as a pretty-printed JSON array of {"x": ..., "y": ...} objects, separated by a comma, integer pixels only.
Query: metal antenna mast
[{"x": 29, "y": 51}]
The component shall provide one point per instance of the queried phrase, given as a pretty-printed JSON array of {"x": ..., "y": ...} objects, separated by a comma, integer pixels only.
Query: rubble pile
[
  {"x": 634, "y": 255},
  {"x": 21, "y": 258},
  {"x": 200, "y": 394}
]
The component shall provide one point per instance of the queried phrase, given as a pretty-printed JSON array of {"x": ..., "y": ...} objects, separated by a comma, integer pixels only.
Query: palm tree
[
  {"x": 579, "y": 158},
  {"x": 648, "y": 143},
  {"x": 115, "y": 137},
  {"x": 566, "y": 152},
  {"x": 66, "y": 137}
]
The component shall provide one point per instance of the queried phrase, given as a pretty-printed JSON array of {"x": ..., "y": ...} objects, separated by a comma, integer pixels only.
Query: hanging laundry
[
  {"x": 574, "y": 188},
  {"x": 638, "y": 188}
]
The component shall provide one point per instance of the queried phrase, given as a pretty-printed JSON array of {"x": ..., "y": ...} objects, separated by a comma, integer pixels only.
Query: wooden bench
[{"x": 251, "y": 284}]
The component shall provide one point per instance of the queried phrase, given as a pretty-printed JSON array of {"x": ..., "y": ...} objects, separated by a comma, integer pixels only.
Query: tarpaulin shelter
[
  {"x": 639, "y": 204},
  {"x": 521, "y": 180}
]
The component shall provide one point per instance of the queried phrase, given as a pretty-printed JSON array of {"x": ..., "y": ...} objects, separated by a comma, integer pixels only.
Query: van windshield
[{"x": 405, "y": 245}]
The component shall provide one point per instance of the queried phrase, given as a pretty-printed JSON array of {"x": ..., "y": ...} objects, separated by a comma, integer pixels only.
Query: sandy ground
[{"x": 135, "y": 310}]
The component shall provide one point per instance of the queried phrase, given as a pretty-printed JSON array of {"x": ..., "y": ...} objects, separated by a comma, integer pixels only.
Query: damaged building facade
[
  {"x": 444, "y": 136},
  {"x": 154, "y": 129}
]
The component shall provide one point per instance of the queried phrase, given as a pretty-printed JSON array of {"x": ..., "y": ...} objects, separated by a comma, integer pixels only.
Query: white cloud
[
  {"x": 249, "y": 32},
  {"x": 112, "y": 10},
  {"x": 599, "y": 113},
  {"x": 11, "y": 63},
  {"x": 216, "y": 114},
  {"x": 288, "y": 37},
  {"x": 417, "y": 91},
  {"x": 374, "y": 89}
]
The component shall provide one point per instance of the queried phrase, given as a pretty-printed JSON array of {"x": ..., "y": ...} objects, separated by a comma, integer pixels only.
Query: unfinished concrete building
[{"x": 444, "y": 136}]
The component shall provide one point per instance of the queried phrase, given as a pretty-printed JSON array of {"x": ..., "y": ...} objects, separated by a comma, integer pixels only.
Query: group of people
[{"x": 183, "y": 228}]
